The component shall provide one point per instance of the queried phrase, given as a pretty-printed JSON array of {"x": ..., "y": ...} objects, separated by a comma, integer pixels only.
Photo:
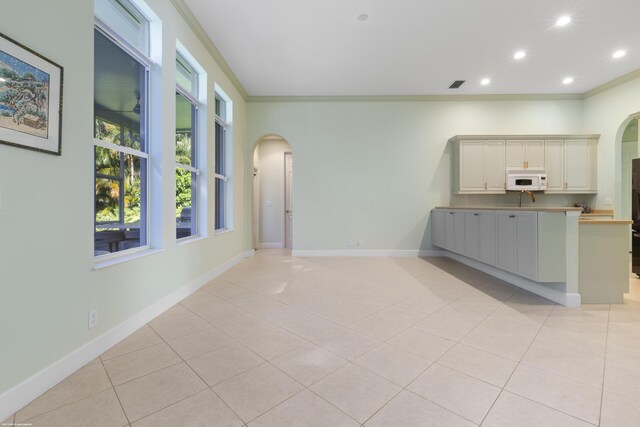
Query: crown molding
[
  {"x": 613, "y": 83},
  {"x": 197, "y": 29},
  {"x": 419, "y": 98}
]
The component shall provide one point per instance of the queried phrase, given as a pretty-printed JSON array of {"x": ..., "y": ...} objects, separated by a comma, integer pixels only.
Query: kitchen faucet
[{"x": 533, "y": 198}]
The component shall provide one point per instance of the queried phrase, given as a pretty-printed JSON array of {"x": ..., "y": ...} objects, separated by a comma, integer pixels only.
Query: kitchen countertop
[
  {"x": 604, "y": 221},
  {"x": 514, "y": 208}
]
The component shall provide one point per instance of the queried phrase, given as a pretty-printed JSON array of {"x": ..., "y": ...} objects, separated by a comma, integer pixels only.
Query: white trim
[
  {"x": 190, "y": 239},
  {"x": 550, "y": 291},
  {"x": 21, "y": 394},
  {"x": 187, "y": 167},
  {"x": 119, "y": 148},
  {"x": 360, "y": 253},
  {"x": 269, "y": 245},
  {"x": 122, "y": 256}
]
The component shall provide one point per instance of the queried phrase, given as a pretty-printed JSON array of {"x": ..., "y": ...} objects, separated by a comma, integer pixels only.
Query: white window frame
[
  {"x": 195, "y": 141},
  {"x": 145, "y": 61},
  {"x": 226, "y": 125}
]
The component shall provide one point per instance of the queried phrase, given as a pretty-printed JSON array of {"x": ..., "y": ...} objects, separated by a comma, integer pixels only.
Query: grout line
[
  {"x": 114, "y": 390},
  {"x": 201, "y": 379},
  {"x": 604, "y": 371},
  {"x": 517, "y": 365},
  {"x": 15, "y": 415}
]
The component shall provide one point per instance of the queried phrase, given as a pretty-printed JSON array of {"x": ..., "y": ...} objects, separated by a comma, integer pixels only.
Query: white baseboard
[
  {"x": 270, "y": 245},
  {"x": 549, "y": 291},
  {"x": 360, "y": 253},
  {"x": 21, "y": 394}
]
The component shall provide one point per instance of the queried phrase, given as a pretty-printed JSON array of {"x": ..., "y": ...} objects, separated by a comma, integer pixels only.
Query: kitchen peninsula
[{"x": 549, "y": 251}]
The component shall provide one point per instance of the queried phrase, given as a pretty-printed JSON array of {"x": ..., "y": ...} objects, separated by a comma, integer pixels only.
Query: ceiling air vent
[{"x": 456, "y": 84}]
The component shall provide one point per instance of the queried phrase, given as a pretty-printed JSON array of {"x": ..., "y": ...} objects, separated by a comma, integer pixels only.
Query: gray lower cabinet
[
  {"x": 517, "y": 236},
  {"x": 449, "y": 230},
  {"x": 508, "y": 240},
  {"x": 437, "y": 228},
  {"x": 472, "y": 234},
  {"x": 488, "y": 247}
]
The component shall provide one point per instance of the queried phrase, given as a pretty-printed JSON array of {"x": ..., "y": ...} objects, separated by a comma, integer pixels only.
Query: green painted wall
[{"x": 47, "y": 284}]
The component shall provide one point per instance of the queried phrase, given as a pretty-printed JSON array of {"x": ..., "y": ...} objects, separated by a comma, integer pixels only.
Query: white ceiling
[{"x": 419, "y": 47}]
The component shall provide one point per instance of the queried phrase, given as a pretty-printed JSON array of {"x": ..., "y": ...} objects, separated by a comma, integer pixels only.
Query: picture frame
[{"x": 30, "y": 99}]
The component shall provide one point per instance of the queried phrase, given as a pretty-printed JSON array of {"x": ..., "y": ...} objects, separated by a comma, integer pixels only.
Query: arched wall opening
[
  {"x": 627, "y": 146},
  {"x": 272, "y": 213}
]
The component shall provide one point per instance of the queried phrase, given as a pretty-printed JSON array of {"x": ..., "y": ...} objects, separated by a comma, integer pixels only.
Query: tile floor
[{"x": 282, "y": 341}]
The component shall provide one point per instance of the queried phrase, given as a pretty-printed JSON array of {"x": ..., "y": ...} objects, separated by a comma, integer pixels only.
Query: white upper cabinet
[
  {"x": 480, "y": 162},
  {"x": 554, "y": 161},
  {"x": 479, "y": 167},
  {"x": 580, "y": 166},
  {"x": 525, "y": 154}
]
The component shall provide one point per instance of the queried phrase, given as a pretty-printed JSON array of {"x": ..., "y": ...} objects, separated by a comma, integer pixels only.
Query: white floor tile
[
  {"x": 466, "y": 396},
  {"x": 356, "y": 391},
  {"x": 410, "y": 410},
  {"x": 513, "y": 410},
  {"x": 305, "y": 409},
  {"x": 256, "y": 391},
  {"x": 557, "y": 392}
]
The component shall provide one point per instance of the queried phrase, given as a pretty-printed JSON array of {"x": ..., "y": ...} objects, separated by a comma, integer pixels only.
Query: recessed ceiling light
[
  {"x": 619, "y": 54},
  {"x": 567, "y": 80},
  {"x": 563, "y": 20},
  {"x": 485, "y": 81},
  {"x": 363, "y": 17},
  {"x": 519, "y": 54},
  {"x": 2, "y": 80}
]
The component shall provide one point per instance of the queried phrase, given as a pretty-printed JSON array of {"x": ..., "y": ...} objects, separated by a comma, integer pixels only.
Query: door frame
[{"x": 288, "y": 224}]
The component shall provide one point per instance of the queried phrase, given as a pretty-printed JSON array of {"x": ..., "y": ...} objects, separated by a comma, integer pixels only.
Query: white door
[{"x": 288, "y": 202}]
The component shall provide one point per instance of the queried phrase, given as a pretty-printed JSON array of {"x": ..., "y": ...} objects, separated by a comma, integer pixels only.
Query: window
[
  {"x": 223, "y": 162},
  {"x": 187, "y": 156},
  {"x": 121, "y": 149}
]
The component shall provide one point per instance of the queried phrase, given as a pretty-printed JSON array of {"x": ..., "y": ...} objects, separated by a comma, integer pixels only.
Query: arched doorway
[
  {"x": 272, "y": 193},
  {"x": 627, "y": 138}
]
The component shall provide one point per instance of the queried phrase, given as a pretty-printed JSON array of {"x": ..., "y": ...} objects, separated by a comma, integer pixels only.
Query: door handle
[{"x": 289, "y": 211}]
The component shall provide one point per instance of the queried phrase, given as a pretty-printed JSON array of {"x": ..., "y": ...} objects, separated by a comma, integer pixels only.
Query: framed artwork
[{"x": 30, "y": 99}]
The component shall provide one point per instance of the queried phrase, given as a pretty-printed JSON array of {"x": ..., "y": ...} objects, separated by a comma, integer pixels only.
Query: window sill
[
  {"x": 99, "y": 264},
  {"x": 222, "y": 231},
  {"x": 188, "y": 240}
]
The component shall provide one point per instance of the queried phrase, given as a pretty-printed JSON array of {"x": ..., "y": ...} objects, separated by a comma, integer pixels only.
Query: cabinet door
[
  {"x": 472, "y": 234},
  {"x": 526, "y": 233},
  {"x": 576, "y": 165},
  {"x": 472, "y": 166},
  {"x": 515, "y": 154},
  {"x": 554, "y": 162},
  {"x": 437, "y": 228},
  {"x": 458, "y": 232},
  {"x": 534, "y": 154},
  {"x": 593, "y": 166},
  {"x": 449, "y": 230},
  {"x": 506, "y": 229},
  {"x": 487, "y": 237},
  {"x": 494, "y": 170}
]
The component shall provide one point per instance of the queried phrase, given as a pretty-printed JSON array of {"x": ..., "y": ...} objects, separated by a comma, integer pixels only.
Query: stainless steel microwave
[{"x": 531, "y": 180}]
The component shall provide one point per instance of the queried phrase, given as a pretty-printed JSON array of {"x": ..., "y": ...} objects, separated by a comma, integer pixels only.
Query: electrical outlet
[
  {"x": 93, "y": 317},
  {"x": 349, "y": 243}
]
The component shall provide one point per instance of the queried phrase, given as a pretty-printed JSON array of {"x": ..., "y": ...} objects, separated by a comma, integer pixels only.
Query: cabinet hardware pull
[
  {"x": 485, "y": 185},
  {"x": 565, "y": 185},
  {"x": 476, "y": 214},
  {"x": 450, "y": 213},
  {"x": 512, "y": 216}
]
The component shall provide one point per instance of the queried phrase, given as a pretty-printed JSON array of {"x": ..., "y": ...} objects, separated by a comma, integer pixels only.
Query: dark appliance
[{"x": 635, "y": 216}]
